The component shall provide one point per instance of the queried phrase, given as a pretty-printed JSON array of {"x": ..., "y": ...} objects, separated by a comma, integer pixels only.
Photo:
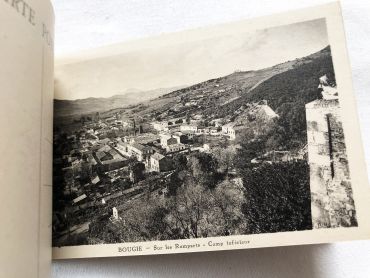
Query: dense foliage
[{"x": 277, "y": 197}]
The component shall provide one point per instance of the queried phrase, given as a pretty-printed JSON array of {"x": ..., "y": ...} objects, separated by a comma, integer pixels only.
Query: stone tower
[{"x": 332, "y": 202}]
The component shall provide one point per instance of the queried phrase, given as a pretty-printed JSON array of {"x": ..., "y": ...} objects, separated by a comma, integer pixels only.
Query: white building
[
  {"x": 234, "y": 131},
  {"x": 168, "y": 139},
  {"x": 160, "y": 126},
  {"x": 226, "y": 127},
  {"x": 175, "y": 148},
  {"x": 129, "y": 139},
  {"x": 159, "y": 163},
  {"x": 189, "y": 128},
  {"x": 213, "y": 131},
  {"x": 141, "y": 152},
  {"x": 79, "y": 199}
]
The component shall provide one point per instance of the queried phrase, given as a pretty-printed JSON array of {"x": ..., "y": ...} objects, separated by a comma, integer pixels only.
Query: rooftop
[
  {"x": 80, "y": 198},
  {"x": 158, "y": 156},
  {"x": 105, "y": 148},
  {"x": 105, "y": 141},
  {"x": 106, "y": 162},
  {"x": 140, "y": 147},
  {"x": 239, "y": 127},
  {"x": 269, "y": 112}
]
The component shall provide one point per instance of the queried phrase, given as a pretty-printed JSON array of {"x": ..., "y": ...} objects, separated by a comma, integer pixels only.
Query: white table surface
[{"x": 90, "y": 23}]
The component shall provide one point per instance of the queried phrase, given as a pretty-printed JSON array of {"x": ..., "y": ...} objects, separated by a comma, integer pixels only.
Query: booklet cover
[{"x": 26, "y": 100}]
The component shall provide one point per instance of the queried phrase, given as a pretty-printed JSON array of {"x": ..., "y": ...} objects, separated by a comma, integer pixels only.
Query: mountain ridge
[
  {"x": 164, "y": 102},
  {"x": 77, "y": 107}
]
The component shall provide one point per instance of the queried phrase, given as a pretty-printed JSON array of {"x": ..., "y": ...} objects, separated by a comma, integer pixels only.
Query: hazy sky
[{"x": 190, "y": 62}]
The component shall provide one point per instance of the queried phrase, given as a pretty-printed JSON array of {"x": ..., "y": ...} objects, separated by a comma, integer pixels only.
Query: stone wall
[{"x": 331, "y": 192}]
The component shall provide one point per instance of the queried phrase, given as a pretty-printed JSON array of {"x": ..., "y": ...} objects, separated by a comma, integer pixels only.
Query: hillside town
[
  {"x": 110, "y": 161},
  {"x": 205, "y": 160}
]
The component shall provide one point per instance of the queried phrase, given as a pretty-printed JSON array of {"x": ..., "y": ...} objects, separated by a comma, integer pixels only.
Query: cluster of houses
[
  {"x": 199, "y": 130},
  {"x": 154, "y": 149},
  {"x": 231, "y": 129},
  {"x": 189, "y": 129}
]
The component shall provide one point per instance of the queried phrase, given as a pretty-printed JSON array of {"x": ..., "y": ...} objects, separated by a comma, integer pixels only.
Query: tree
[
  {"x": 225, "y": 158},
  {"x": 224, "y": 142},
  {"x": 174, "y": 183},
  {"x": 199, "y": 139},
  {"x": 188, "y": 119},
  {"x": 137, "y": 172},
  {"x": 132, "y": 160},
  {"x": 277, "y": 197},
  {"x": 246, "y": 136},
  {"x": 277, "y": 138},
  {"x": 179, "y": 161},
  {"x": 248, "y": 151},
  {"x": 204, "y": 169},
  {"x": 157, "y": 226},
  {"x": 197, "y": 211},
  {"x": 229, "y": 198},
  {"x": 189, "y": 211}
]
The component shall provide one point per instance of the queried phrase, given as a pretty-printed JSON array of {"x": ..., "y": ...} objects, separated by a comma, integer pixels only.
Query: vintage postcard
[{"x": 242, "y": 135}]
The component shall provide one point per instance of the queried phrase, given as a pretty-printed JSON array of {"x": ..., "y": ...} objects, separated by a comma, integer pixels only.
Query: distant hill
[
  {"x": 220, "y": 97},
  {"x": 68, "y": 108}
]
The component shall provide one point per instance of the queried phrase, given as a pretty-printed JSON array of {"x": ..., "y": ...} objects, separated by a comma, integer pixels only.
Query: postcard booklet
[{"x": 235, "y": 136}]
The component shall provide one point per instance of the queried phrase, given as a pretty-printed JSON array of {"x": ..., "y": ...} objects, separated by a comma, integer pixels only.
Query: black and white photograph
[
  {"x": 184, "y": 138},
  {"x": 231, "y": 134}
]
